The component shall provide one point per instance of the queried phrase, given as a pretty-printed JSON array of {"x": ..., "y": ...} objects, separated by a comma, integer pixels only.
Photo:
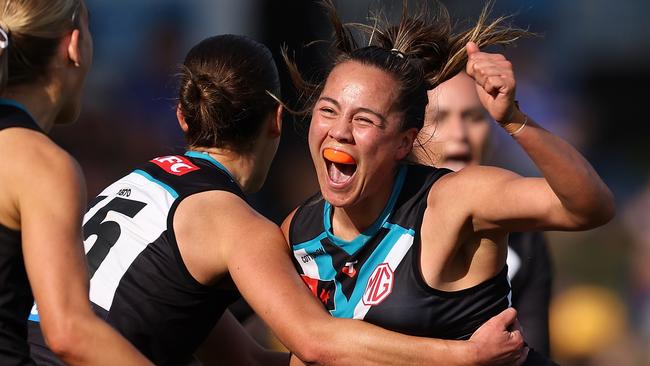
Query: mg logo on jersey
[
  {"x": 379, "y": 286},
  {"x": 176, "y": 165}
]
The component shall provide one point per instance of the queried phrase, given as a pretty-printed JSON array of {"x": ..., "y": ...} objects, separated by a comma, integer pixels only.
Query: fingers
[
  {"x": 482, "y": 64},
  {"x": 516, "y": 337},
  {"x": 505, "y": 318},
  {"x": 471, "y": 48},
  {"x": 494, "y": 77},
  {"x": 515, "y": 331},
  {"x": 516, "y": 325}
]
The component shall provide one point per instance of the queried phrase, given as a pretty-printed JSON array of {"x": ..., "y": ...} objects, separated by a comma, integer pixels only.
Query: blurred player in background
[{"x": 456, "y": 134}]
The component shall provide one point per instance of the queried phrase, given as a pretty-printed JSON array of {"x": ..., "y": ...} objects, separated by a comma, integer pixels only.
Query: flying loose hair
[{"x": 419, "y": 52}]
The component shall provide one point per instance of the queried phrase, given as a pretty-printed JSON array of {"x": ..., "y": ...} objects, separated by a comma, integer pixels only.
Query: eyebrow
[
  {"x": 359, "y": 109},
  {"x": 474, "y": 110},
  {"x": 444, "y": 111}
]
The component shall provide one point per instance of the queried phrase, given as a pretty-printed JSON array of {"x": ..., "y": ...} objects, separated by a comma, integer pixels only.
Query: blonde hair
[{"x": 34, "y": 29}]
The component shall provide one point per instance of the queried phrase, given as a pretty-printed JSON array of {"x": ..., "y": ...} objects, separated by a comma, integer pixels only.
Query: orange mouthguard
[{"x": 337, "y": 156}]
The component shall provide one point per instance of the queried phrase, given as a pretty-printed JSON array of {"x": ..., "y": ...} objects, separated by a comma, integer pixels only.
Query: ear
[
  {"x": 181, "y": 118},
  {"x": 406, "y": 144},
  {"x": 275, "y": 127},
  {"x": 74, "y": 50}
]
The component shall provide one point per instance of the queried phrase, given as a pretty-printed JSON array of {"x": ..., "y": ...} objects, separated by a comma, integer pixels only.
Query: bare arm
[
  {"x": 501, "y": 328},
  {"x": 571, "y": 196},
  {"x": 302, "y": 324},
  {"x": 51, "y": 196},
  {"x": 254, "y": 252}
]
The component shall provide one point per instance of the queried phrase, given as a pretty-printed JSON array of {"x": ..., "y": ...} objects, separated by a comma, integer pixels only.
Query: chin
[
  {"x": 339, "y": 199},
  {"x": 454, "y": 165}
]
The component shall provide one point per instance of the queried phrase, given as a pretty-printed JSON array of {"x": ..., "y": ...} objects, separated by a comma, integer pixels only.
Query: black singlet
[
  {"x": 376, "y": 277},
  {"x": 138, "y": 281},
  {"x": 15, "y": 293}
]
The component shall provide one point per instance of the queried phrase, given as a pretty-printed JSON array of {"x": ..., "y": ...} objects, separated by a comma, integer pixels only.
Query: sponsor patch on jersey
[
  {"x": 174, "y": 164},
  {"x": 380, "y": 285},
  {"x": 323, "y": 290},
  {"x": 349, "y": 269},
  {"x": 311, "y": 256}
]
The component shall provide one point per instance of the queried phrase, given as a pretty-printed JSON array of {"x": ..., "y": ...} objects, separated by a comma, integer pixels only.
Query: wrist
[
  {"x": 515, "y": 122},
  {"x": 469, "y": 354}
]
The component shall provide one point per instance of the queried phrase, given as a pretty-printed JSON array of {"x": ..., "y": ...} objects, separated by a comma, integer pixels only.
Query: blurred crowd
[{"x": 583, "y": 78}]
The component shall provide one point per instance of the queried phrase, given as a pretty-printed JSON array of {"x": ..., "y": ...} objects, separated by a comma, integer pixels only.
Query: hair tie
[
  {"x": 4, "y": 42},
  {"x": 397, "y": 52}
]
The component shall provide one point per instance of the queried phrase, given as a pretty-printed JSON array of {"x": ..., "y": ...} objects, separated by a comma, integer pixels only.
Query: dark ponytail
[{"x": 228, "y": 85}]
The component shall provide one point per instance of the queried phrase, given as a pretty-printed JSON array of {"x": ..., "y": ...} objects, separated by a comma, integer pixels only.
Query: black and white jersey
[
  {"x": 15, "y": 292},
  {"x": 376, "y": 276},
  {"x": 531, "y": 275},
  {"x": 138, "y": 281}
]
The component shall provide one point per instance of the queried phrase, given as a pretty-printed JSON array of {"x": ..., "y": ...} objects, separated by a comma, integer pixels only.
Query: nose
[
  {"x": 341, "y": 130},
  {"x": 457, "y": 129}
]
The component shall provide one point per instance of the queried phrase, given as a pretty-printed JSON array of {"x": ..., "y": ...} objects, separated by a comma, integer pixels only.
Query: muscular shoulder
[
  {"x": 223, "y": 219},
  {"x": 35, "y": 168},
  {"x": 217, "y": 207},
  {"x": 32, "y": 158},
  {"x": 469, "y": 183}
]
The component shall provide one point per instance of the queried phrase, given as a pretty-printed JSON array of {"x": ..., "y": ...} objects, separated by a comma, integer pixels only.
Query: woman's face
[
  {"x": 355, "y": 114},
  {"x": 457, "y": 128}
]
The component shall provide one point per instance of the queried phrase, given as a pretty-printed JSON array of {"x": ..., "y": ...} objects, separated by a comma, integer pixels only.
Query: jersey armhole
[
  {"x": 292, "y": 225},
  {"x": 417, "y": 244},
  {"x": 171, "y": 236},
  {"x": 307, "y": 204}
]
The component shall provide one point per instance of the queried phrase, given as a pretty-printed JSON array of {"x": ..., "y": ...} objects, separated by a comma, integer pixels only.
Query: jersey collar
[{"x": 360, "y": 240}]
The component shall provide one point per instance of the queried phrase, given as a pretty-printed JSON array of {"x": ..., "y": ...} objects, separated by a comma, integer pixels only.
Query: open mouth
[
  {"x": 457, "y": 162},
  {"x": 340, "y": 166},
  {"x": 460, "y": 158}
]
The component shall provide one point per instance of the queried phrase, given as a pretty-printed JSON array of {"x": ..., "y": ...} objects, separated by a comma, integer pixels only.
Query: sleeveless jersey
[
  {"x": 15, "y": 293},
  {"x": 376, "y": 277},
  {"x": 138, "y": 281},
  {"x": 531, "y": 276}
]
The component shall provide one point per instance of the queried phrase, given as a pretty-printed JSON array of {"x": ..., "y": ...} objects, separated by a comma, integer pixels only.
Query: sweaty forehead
[{"x": 353, "y": 84}]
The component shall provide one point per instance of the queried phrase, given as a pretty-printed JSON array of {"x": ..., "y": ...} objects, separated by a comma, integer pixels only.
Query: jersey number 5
[{"x": 107, "y": 232}]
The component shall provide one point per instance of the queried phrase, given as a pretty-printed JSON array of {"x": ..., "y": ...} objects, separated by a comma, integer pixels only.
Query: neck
[
  {"x": 240, "y": 166},
  {"x": 349, "y": 222},
  {"x": 42, "y": 101}
]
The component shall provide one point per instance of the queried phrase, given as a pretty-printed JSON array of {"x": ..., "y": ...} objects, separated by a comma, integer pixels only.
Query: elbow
[
  {"x": 607, "y": 208},
  {"x": 63, "y": 339},
  {"x": 314, "y": 345},
  {"x": 66, "y": 335},
  {"x": 310, "y": 351},
  {"x": 598, "y": 212}
]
